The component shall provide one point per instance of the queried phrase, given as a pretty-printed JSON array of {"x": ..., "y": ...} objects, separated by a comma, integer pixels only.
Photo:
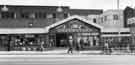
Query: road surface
[{"x": 67, "y": 60}]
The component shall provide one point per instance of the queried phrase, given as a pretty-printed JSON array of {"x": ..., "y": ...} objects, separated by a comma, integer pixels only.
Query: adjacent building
[
  {"x": 114, "y": 31},
  {"x": 129, "y": 22},
  {"x": 128, "y": 13},
  {"x": 29, "y": 28}
]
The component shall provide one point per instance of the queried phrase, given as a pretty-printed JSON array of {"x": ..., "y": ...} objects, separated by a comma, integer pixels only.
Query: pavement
[
  {"x": 51, "y": 52},
  {"x": 64, "y": 52},
  {"x": 67, "y": 60},
  {"x": 60, "y": 57}
]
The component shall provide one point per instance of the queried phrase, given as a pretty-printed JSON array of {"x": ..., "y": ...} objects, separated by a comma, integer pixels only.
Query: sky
[{"x": 74, "y": 4}]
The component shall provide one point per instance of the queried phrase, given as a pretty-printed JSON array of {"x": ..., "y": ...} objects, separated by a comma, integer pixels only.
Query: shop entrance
[
  {"x": 61, "y": 39},
  {"x": 82, "y": 34}
]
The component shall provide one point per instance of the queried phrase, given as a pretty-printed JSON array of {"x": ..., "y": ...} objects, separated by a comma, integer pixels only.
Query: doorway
[{"x": 61, "y": 39}]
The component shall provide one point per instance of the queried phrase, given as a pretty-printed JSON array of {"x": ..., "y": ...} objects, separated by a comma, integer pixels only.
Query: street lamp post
[
  {"x": 59, "y": 9},
  {"x": 132, "y": 36},
  {"x": 118, "y": 1}
]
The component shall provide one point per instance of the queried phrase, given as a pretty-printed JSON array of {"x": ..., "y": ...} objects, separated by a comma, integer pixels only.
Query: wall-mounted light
[
  {"x": 59, "y": 9},
  {"x": 4, "y": 8},
  {"x": 30, "y": 24}
]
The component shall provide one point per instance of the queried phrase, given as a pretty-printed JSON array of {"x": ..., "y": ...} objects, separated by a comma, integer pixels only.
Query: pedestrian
[
  {"x": 70, "y": 49},
  {"x": 81, "y": 43},
  {"x": 78, "y": 46},
  {"x": 42, "y": 46},
  {"x": 106, "y": 47},
  {"x": 131, "y": 48}
]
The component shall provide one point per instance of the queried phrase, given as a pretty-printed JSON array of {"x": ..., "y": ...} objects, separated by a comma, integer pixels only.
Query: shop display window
[
  {"x": 23, "y": 43},
  {"x": 87, "y": 40},
  {"x": 4, "y": 46}
]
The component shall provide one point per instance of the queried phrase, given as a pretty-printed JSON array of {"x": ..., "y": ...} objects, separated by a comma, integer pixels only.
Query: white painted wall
[{"x": 110, "y": 22}]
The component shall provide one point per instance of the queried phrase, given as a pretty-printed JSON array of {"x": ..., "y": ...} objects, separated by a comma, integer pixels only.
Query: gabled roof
[
  {"x": 128, "y": 8},
  {"x": 18, "y": 29},
  {"x": 74, "y": 17}
]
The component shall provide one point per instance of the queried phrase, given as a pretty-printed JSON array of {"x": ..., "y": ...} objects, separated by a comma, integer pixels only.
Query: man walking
[{"x": 70, "y": 41}]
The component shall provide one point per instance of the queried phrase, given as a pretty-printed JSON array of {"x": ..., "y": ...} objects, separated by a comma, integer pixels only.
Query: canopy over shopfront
[
  {"x": 116, "y": 37},
  {"x": 22, "y": 30},
  {"x": 115, "y": 32}
]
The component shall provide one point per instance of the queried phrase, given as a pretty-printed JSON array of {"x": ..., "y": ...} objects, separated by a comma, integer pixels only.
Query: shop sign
[
  {"x": 131, "y": 21},
  {"x": 87, "y": 34},
  {"x": 75, "y": 26},
  {"x": 74, "y": 30},
  {"x": 29, "y": 36}
]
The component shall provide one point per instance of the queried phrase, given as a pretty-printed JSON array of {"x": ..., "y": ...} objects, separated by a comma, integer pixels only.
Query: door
[{"x": 61, "y": 40}]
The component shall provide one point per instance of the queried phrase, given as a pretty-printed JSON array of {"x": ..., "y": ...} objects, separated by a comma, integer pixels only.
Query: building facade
[
  {"x": 129, "y": 20},
  {"x": 112, "y": 19},
  {"x": 30, "y": 28},
  {"x": 131, "y": 23},
  {"x": 128, "y": 13},
  {"x": 114, "y": 33}
]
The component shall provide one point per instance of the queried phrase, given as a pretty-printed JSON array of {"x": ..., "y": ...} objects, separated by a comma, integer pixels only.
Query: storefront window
[
  {"x": 52, "y": 42},
  {"x": 26, "y": 43},
  {"x": 4, "y": 46},
  {"x": 6, "y": 15},
  {"x": 87, "y": 40},
  {"x": 115, "y": 17}
]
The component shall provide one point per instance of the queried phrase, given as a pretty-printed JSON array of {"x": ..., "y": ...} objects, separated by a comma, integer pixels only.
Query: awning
[
  {"x": 22, "y": 30},
  {"x": 115, "y": 30},
  {"x": 115, "y": 35}
]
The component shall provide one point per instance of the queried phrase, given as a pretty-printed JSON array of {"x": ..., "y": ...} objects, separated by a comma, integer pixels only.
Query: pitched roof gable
[{"x": 74, "y": 17}]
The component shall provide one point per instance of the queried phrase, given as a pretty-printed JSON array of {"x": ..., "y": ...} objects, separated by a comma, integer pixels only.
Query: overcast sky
[{"x": 79, "y": 4}]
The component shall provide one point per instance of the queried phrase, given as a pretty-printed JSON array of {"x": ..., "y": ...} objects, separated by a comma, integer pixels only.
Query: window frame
[
  {"x": 115, "y": 17},
  {"x": 25, "y": 15},
  {"x": 94, "y": 20},
  {"x": 7, "y": 15},
  {"x": 40, "y": 15},
  {"x": 105, "y": 18}
]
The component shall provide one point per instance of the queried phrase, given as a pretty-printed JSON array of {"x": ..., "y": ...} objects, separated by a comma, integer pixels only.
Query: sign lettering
[
  {"x": 86, "y": 34},
  {"x": 74, "y": 30}
]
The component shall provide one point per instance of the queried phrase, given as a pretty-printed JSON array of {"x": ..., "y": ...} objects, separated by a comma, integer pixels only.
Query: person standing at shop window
[
  {"x": 106, "y": 47},
  {"x": 78, "y": 46},
  {"x": 81, "y": 43},
  {"x": 70, "y": 50},
  {"x": 51, "y": 43},
  {"x": 42, "y": 46}
]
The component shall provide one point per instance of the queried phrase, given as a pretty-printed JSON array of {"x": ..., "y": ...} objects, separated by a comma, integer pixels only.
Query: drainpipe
[
  {"x": 132, "y": 35},
  {"x": 118, "y": 1}
]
